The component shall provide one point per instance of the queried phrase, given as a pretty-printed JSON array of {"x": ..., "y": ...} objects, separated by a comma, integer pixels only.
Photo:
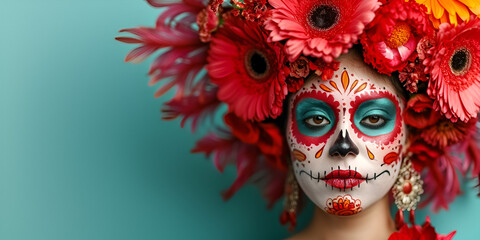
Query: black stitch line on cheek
[{"x": 376, "y": 176}]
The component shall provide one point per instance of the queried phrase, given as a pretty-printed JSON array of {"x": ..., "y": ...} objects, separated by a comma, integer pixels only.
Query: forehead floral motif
[{"x": 249, "y": 55}]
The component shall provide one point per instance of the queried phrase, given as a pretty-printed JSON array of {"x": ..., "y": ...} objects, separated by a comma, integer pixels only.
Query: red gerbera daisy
[
  {"x": 319, "y": 28},
  {"x": 247, "y": 69},
  {"x": 454, "y": 68},
  {"x": 391, "y": 38},
  {"x": 446, "y": 133}
]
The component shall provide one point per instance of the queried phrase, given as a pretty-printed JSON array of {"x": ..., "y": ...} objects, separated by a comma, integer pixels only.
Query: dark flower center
[
  {"x": 257, "y": 65},
  {"x": 460, "y": 61},
  {"x": 323, "y": 17}
]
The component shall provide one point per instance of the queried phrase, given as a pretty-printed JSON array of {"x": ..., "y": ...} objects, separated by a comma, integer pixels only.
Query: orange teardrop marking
[
  {"x": 299, "y": 155},
  {"x": 359, "y": 89},
  {"x": 353, "y": 85},
  {"x": 370, "y": 154},
  {"x": 345, "y": 80},
  {"x": 334, "y": 85},
  {"x": 319, "y": 153},
  {"x": 325, "y": 88}
]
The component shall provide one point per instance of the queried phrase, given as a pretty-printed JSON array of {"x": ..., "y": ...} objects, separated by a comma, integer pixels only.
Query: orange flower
[{"x": 452, "y": 11}]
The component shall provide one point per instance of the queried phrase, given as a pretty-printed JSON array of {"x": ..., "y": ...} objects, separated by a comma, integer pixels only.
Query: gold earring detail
[
  {"x": 291, "y": 201},
  {"x": 407, "y": 190}
]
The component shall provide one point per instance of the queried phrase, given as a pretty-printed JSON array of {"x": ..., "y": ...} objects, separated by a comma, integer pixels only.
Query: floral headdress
[{"x": 251, "y": 54}]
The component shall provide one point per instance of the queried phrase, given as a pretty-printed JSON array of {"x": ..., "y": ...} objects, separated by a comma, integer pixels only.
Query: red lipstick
[{"x": 343, "y": 179}]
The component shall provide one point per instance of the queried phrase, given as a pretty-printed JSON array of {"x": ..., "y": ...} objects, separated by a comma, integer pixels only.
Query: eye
[
  {"x": 316, "y": 121},
  {"x": 376, "y": 117},
  {"x": 373, "y": 121},
  {"x": 314, "y": 117}
]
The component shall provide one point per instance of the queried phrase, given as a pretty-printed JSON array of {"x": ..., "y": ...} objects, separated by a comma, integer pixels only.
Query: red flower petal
[
  {"x": 308, "y": 29},
  {"x": 419, "y": 112},
  {"x": 391, "y": 38},
  {"x": 248, "y": 70},
  {"x": 454, "y": 67}
]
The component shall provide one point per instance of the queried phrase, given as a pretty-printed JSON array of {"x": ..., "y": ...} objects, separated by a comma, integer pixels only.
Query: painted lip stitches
[{"x": 343, "y": 179}]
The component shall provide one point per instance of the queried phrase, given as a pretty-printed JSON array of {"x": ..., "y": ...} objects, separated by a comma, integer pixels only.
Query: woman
[
  {"x": 351, "y": 133},
  {"x": 346, "y": 144}
]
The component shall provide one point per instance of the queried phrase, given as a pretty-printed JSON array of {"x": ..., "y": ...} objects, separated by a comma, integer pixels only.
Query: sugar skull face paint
[{"x": 345, "y": 137}]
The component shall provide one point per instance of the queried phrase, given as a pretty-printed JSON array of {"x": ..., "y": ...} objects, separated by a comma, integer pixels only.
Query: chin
[{"x": 346, "y": 192}]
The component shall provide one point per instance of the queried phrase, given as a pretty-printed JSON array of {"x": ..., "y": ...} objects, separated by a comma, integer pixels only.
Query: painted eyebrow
[
  {"x": 310, "y": 104},
  {"x": 374, "y": 102}
]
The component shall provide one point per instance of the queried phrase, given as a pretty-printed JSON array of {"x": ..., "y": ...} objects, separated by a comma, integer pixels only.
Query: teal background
[{"x": 84, "y": 154}]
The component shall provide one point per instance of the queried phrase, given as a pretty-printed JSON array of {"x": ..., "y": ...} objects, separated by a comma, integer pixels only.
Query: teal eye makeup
[
  {"x": 375, "y": 117},
  {"x": 314, "y": 117}
]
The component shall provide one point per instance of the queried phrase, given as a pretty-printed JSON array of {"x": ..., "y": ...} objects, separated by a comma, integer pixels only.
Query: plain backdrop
[{"x": 84, "y": 154}]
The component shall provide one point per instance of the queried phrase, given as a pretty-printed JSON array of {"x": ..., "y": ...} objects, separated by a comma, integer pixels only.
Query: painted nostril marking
[{"x": 343, "y": 145}]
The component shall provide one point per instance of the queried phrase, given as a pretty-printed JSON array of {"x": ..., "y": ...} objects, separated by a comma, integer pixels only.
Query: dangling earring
[
  {"x": 406, "y": 192},
  {"x": 291, "y": 201}
]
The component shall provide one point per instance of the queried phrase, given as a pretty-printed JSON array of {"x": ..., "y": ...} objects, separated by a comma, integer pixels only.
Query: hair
[{"x": 399, "y": 89}]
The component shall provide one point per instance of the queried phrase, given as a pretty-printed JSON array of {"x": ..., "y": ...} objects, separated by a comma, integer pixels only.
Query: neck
[{"x": 374, "y": 223}]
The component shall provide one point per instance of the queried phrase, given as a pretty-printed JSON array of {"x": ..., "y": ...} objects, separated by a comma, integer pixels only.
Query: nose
[{"x": 343, "y": 146}]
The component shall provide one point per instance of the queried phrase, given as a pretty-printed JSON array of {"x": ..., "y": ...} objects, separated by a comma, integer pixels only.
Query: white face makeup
[{"x": 345, "y": 137}]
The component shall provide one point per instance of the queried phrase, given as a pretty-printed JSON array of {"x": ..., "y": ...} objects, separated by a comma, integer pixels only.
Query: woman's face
[{"x": 345, "y": 137}]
